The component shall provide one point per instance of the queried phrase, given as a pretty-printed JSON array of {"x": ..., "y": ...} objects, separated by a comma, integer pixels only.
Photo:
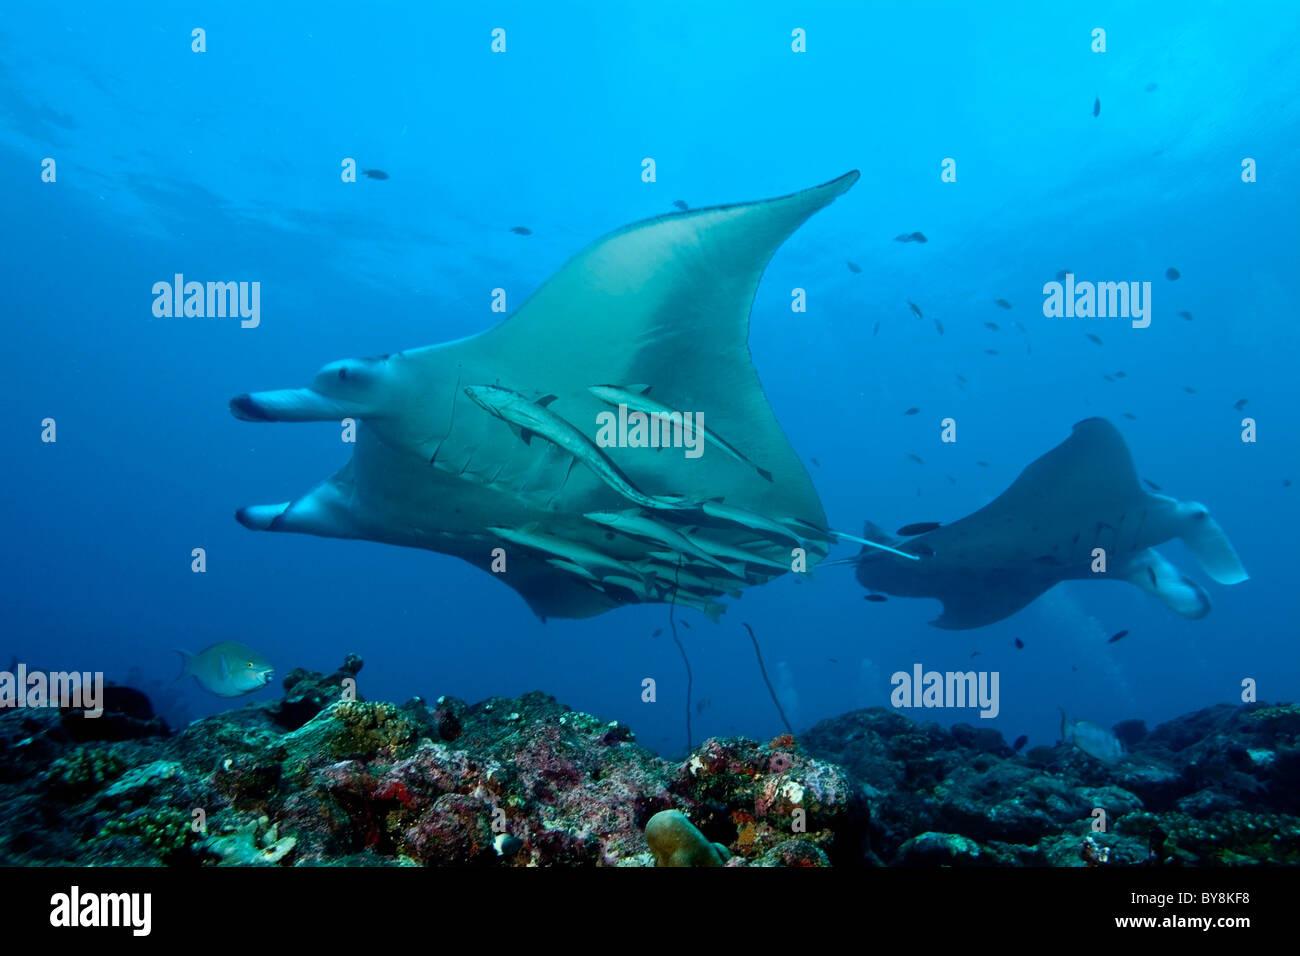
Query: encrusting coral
[{"x": 674, "y": 841}]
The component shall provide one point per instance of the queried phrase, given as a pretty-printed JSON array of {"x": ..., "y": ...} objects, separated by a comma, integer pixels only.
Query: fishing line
[
  {"x": 672, "y": 623},
  {"x": 763, "y": 671}
]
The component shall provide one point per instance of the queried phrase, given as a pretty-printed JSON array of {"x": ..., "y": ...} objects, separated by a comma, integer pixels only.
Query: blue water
[{"x": 225, "y": 165}]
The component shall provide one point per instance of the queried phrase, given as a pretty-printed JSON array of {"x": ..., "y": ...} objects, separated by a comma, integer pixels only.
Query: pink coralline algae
[{"x": 753, "y": 799}]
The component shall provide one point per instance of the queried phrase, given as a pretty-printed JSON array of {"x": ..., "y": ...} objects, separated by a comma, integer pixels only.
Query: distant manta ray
[
  {"x": 664, "y": 303},
  {"x": 1081, "y": 496}
]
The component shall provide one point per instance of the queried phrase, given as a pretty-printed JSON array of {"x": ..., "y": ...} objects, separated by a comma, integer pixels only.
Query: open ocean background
[{"x": 225, "y": 166}]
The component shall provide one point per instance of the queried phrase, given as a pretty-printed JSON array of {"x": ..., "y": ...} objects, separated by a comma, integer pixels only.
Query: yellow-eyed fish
[{"x": 227, "y": 669}]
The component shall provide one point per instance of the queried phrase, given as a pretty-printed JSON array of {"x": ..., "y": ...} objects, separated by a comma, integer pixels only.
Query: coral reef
[
  {"x": 323, "y": 777},
  {"x": 1215, "y": 787}
]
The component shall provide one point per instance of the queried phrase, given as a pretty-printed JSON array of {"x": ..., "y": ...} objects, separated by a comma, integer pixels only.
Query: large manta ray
[
  {"x": 1081, "y": 496},
  {"x": 489, "y": 442}
]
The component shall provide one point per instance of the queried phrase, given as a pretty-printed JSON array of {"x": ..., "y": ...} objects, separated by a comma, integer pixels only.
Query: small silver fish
[
  {"x": 227, "y": 669},
  {"x": 534, "y": 418},
  {"x": 641, "y": 526},
  {"x": 635, "y": 397}
]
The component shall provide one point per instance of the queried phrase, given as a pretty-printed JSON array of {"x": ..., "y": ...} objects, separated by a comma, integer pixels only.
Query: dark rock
[
  {"x": 941, "y": 849},
  {"x": 127, "y": 715},
  {"x": 448, "y": 717},
  {"x": 307, "y": 693},
  {"x": 984, "y": 739},
  {"x": 1131, "y": 732}
]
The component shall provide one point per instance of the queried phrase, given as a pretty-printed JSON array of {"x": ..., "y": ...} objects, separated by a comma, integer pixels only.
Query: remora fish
[
  {"x": 687, "y": 583},
  {"x": 572, "y": 568},
  {"x": 564, "y": 549},
  {"x": 640, "y": 526},
  {"x": 228, "y": 669},
  {"x": 534, "y": 418},
  {"x": 1092, "y": 739},
  {"x": 721, "y": 549},
  {"x": 749, "y": 519},
  {"x": 638, "y": 401}
]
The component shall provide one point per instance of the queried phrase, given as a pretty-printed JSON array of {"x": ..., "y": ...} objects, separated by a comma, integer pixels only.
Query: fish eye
[{"x": 343, "y": 372}]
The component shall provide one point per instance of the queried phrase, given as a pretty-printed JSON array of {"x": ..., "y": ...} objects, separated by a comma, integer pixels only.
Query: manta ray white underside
[{"x": 663, "y": 303}]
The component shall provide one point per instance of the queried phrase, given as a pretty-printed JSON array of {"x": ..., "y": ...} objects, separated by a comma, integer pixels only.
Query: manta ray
[
  {"x": 1076, "y": 505},
  {"x": 486, "y": 448}
]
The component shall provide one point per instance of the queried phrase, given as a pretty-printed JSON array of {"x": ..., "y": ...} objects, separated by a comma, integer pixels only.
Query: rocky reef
[
  {"x": 1220, "y": 786},
  {"x": 324, "y": 777}
]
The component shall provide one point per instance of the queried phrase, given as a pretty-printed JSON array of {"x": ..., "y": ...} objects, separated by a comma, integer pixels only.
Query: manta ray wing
[{"x": 974, "y": 601}]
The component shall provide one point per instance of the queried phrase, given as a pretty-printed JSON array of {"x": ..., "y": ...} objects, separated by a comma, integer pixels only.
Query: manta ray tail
[
  {"x": 876, "y": 545},
  {"x": 1205, "y": 539},
  {"x": 877, "y": 539}
]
